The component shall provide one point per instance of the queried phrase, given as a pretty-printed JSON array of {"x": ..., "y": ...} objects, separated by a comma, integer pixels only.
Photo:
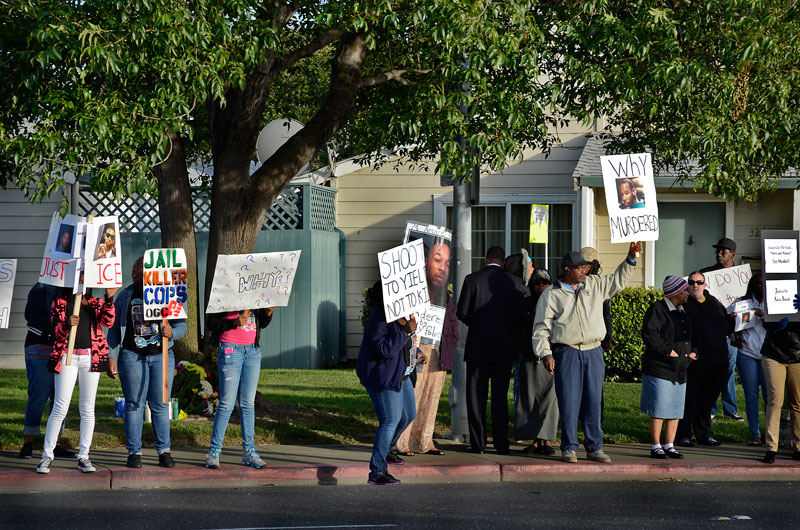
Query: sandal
[
  {"x": 405, "y": 453},
  {"x": 435, "y": 451},
  {"x": 755, "y": 442}
]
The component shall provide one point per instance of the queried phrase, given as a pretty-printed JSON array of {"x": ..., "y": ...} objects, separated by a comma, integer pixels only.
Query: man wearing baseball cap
[
  {"x": 567, "y": 333},
  {"x": 725, "y": 250}
]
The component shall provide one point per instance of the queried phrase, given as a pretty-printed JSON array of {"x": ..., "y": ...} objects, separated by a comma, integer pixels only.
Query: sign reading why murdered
[
  {"x": 164, "y": 287},
  {"x": 726, "y": 285},
  {"x": 102, "y": 257},
  {"x": 8, "y": 273},
  {"x": 630, "y": 197},
  {"x": 252, "y": 281},
  {"x": 62, "y": 250},
  {"x": 405, "y": 288}
]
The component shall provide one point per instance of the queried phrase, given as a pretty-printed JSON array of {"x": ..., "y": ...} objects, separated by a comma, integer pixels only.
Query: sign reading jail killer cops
[
  {"x": 164, "y": 287},
  {"x": 726, "y": 285},
  {"x": 252, "y": 281},
  {"x": 779, "y": 252},
  {"x": 8, "y": 273},
  {"x": 630, "y": 197},
  {"x": 405, "y": 288},
  {"x": 62, "y": 251}
]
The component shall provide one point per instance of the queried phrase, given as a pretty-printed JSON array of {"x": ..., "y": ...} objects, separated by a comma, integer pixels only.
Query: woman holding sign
[
  {"x": 239, "y": 366},
  {"x": 89, "y": 359},
  {"x": 385, "y": 371}
]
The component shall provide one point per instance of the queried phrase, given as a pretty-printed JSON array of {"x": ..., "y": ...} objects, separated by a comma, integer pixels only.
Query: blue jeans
[
  {"x": 40, "y": 387},
  {"x": 395, "y": 411},
  {"x": 579, "y": 388},
  {"x": 729, "y": 390},
  {"x": 141, "y": 383},
  {"x": 752, "y": 375},
  {"x": 239, "y": 368}
]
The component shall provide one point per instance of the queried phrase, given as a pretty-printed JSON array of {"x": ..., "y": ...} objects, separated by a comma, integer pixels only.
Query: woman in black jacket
[{"x": 667, "y": 336}]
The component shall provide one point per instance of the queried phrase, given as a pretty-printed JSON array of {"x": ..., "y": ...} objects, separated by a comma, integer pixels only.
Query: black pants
[
  {"x": 478, "y": 377},
  {"x": 704, "y": 384}
]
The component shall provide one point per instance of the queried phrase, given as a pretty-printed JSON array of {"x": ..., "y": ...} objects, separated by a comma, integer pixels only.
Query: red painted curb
[{"x": 56, "y": 481}]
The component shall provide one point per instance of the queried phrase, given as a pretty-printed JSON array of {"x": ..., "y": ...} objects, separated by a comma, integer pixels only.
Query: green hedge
[{"x": 624, "y": 361}]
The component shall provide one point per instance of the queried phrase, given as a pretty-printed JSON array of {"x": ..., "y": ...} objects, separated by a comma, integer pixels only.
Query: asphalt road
[{"x": 634, "y": 504}]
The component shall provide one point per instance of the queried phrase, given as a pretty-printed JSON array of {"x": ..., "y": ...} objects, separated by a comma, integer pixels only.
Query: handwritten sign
[
  {"x": 8, "y": 273},
  {"x": 779, "y": 295},
  {"x": 59, "y": 268},
  {"x": 726, "y": 285},
  {"x": 252, "y": 281},
  {"x": 780, "y": 256},
  {"x": 102, "y": 255},
  {"x": 164, "y": 287},
  {"x": 630, "y": 197},
  {"x": 405, "y": 288}
]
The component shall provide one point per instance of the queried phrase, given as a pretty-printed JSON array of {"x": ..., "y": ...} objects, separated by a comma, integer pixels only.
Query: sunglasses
[
  {"x": 109, "y": 236},
  {"x": 696, "y": 282}
]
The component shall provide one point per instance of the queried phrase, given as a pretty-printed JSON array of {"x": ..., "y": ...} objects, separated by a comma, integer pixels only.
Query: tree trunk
[{"x": 176, "y": 213}]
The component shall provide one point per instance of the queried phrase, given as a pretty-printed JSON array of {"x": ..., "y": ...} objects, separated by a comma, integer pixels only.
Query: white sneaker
[
  {"x": 44, "y": 465},
  {"x": 599, "y": 456},
  {"x": 250, "y": 458},
  {"x": 85, "y": 466},
  {"x": 569, "y": 456},
  {"x": 212, "y": 459}
]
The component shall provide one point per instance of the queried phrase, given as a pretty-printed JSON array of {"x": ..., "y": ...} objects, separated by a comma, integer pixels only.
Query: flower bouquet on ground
[{"x": 195, "y": 394}]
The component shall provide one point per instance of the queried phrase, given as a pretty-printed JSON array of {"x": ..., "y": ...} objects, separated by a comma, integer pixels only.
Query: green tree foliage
[{"x": 624, "y": 360}]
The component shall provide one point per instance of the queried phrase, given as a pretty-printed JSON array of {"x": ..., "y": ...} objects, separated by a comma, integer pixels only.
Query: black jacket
[
  {"x": 663, "y": 331},
  {"x": 710, "y": 329},
  {"x": 217, "y": 324},
  {"x": 784, "y": 345}
]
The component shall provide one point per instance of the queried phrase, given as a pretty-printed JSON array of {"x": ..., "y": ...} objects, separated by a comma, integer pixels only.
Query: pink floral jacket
[{"x": 103, "y": 316}]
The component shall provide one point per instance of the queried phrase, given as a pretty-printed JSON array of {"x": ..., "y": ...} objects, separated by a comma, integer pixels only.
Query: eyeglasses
[
  {"x": 109, "y": 236},
  {"x": 696, "y": 282}
]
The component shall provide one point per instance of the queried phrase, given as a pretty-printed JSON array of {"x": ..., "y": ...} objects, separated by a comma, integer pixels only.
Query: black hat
[
  {"x": 573, "y": 259},
  {"x": 726, "y": 242}
]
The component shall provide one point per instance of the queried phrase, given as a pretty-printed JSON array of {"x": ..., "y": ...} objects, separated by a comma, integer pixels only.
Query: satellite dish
[{"x": 273, "y": 136}]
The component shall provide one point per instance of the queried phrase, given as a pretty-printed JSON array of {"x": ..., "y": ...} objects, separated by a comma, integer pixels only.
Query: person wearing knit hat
[{"x": 667, "y": 336}]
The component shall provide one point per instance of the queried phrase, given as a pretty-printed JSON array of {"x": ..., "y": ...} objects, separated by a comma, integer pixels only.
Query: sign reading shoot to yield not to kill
[
  {"x": 630, "y": 197},
  {"x": 164, "y": 287},
  {"x": 405, "y": 288}
]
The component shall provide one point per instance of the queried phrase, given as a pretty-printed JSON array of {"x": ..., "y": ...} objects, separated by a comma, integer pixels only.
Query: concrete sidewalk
[{"x": 347, "y": 465}]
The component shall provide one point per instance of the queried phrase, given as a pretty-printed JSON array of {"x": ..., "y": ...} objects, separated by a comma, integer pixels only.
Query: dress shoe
[
  {"x": 710, "y": 441},
  {"x": 673, "y": 453},
  {"x": 545, "y": 449},
  {"x": 734, "y": 417},
  {"x": 529, "y": 450},
  {"x": 685, "y": 442},
  {"x": 659, "y": 453},
  {"x": 769, "y": 457},
  {"x": 474, "y": 451}
]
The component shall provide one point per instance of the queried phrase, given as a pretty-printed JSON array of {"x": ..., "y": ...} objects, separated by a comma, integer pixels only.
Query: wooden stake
[
  {"x": 73, "y": 330},
  {"x": 164, "y": 363}
]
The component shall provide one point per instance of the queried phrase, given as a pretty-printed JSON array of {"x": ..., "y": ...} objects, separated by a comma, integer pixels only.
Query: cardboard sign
[
  {"x": 252, "y": 281},
  {"x": 8, "y": 273},
  {"x": 780, "y": 256},
  {"x": 405, "y": 288},
  {"x": 726, "y": 285},
  {"x": 745, "y": 311},
  {"x": 62, "y": 250},
  {"x": 102, "y": 254},
  {"x": 779, "y": 295},
  {"x": 630, "y": 197},
  {"x": 436, "y": 242},
  {"x": 164, "y": 287}
]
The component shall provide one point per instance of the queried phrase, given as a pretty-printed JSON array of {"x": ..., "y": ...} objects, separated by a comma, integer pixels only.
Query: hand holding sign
[{"x": 405, "y": 288}]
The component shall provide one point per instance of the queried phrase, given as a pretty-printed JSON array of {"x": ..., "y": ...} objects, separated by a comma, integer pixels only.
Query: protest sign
[
  {"x": 540, "y": 218},
  {"x": 8, "y": 273},
  {"x": 102, "y": 255},
  {"x": 436, "y": 246},
  {"x": 779, "y": 261},
  {"x": 165, "y": 283},
  {"x": 62, "y": 250},
  {"x": 726, "y": 285},
  {"x": 779, "y": 295},
  {"x": 780, "y": 256},
  {"x": 745, "y": 314},
  {"x": 405, "y": 288},
  {"x": 630, "y": 197},
  {"x": 252, "y": 281}
]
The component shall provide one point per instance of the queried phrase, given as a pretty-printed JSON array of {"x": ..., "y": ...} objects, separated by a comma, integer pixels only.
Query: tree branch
[
  {"x": 309, "y": 49},
  {"x": 391, "y": 75}
]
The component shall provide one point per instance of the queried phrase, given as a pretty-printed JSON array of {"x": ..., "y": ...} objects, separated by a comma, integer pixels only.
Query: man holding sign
[{"x": 138, "y": 362}]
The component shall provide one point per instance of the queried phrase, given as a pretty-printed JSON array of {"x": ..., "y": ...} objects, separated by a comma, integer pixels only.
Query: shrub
[
  {"x": 195, "y": 394},
  {"x": 624, "y": 361}
]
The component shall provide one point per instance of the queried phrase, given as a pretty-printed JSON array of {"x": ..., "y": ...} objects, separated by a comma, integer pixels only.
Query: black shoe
[
  {"x": 60, "y": 452},
  {"x": 685, "y": 442},
  {"x": 393, "y": 458},
  {"x": 734, "y": 417},
  {"x": 382, "y": 479},
  {"x": 134, "y": 461},
  {"x": 503, "y": 451},
  {"x": 658, "y": 453},
  {"x": 710, "y": 441},
  {"x": 165, "y": 460},
  {"x": 532, "y": 448},
  {"x": 769, "y": 457},
  {"x": 796, "y": 455},
  {"x": 673, "y": 453},
  {"x": 27, "y": 450},
  {"x": 545, "y": 449},
  {"x": 474, "y": 451}
]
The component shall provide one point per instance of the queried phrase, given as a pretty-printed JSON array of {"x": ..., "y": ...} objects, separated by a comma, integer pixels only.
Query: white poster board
[
  {"x": 8, "y": 273},
  {"x": 405, "y": 289},
  {"x": 62, "y": 250},
  {"x": 103, "y": 256},
  {"x": 253, "y": 281},
  {"x": 779, "y": 295},
  {"x": 165, "y": 284},
  {"x": 745, "y": 312},
  {"x": 726, "y": 285},
  {"x": 630, "y": 197},
  {"x": 780, "y": 256}
]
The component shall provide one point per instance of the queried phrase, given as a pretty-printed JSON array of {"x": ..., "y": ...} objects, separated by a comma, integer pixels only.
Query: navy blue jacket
[{"x": 382, "y": 359}]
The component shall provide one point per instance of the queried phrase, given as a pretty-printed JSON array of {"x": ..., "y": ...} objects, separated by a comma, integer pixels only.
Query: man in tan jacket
[{"x": 567, "y": 332}]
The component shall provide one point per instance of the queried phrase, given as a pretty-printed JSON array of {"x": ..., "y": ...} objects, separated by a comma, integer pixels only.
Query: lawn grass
[{"x": 311, "y": 407}]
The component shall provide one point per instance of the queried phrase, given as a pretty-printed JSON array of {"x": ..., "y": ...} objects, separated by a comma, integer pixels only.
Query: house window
[{"x": 508, "y": 226}]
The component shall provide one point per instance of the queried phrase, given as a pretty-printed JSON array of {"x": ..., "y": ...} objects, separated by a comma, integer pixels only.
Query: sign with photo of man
[{"x": 630, "y": 197}]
